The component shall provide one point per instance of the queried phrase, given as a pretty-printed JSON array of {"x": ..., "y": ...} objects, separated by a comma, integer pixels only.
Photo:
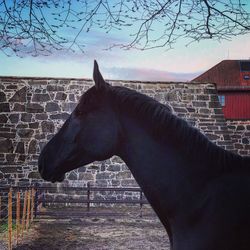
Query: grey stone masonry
[
  {"x": 33, "y": 109},
  {"x": 240, "y": 135}
]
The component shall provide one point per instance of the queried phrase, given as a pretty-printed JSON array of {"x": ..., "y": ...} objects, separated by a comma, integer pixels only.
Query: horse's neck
[{"x": 167, "y": 179}]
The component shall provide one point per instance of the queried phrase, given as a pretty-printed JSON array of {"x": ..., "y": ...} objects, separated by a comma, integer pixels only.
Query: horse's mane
[{"x": 166, "y": 126}]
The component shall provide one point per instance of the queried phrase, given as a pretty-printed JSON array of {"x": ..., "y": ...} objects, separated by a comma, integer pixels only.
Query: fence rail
[{"x": 87, "y": 198}]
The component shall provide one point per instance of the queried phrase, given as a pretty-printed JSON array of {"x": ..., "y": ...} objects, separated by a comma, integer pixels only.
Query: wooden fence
[
  {"x": 17, "y": 207},
  {"x": 46, "y": 196},
  {"x": 20, "y": 205}
]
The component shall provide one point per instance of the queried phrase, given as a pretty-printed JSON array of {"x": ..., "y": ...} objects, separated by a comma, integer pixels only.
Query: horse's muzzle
[{"x": 47, "y": 173}]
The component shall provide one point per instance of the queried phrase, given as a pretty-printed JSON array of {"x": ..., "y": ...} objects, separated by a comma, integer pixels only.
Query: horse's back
[{"x": 221, "y": 217}]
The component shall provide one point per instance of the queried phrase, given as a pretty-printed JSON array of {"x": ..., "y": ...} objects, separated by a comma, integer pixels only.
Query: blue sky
[{"x": 181, "y": 63}]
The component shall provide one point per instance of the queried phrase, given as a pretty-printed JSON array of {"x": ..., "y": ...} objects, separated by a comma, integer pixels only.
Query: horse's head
[{"x": 90, "y": 133}]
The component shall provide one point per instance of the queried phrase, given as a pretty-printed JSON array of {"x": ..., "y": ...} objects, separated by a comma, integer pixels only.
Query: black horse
[{"x": 200, "y": 192}]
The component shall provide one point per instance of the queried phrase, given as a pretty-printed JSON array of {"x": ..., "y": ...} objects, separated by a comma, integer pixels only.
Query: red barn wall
[{"x": 237, "y": 105}]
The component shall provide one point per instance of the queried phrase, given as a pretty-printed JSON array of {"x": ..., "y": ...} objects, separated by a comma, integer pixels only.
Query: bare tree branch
[{"x": 38, "y": 27}]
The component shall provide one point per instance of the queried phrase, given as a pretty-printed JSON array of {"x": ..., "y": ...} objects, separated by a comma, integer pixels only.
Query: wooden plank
[{"x": 10, "y": 220}]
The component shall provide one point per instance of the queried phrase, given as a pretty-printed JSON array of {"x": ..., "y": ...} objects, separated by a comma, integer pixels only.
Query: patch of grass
[{"x": 4, "y": 227}]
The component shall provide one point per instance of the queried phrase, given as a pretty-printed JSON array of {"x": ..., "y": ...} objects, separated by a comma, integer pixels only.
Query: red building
[{"x": 232, "y": 78}]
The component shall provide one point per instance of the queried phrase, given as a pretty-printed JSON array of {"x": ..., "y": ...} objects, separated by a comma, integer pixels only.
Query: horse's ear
[{"x": 98, "y": 79}]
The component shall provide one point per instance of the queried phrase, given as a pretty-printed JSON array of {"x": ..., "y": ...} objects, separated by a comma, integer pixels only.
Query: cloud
[{"x": 147, "y": 74}]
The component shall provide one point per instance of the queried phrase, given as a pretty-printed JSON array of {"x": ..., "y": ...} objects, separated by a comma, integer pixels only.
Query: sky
[{"x": 182, "y": 63}]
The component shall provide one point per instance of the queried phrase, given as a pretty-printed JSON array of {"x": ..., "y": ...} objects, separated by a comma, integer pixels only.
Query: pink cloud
[{"x": 147, "y": 74}]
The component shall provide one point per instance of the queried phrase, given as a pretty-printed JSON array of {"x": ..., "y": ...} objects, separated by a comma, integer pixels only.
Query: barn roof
[{"x": 228, "y": 75}]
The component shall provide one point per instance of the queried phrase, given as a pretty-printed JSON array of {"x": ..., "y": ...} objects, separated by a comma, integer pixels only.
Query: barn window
[
  {"x": 245, "y": 65},
  {"x": 246, "y": 77},
  {"x": 222, "y": 100}
]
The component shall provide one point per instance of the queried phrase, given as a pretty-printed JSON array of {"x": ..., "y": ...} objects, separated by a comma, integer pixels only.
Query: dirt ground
[{"x": 96, "y": 233}]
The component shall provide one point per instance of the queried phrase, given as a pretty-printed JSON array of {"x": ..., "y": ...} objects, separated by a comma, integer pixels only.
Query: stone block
[
  {"x": 101, "y": 183},
  {"x": 40, "y": 97},
  {"x": 20, "y": 148},
  {"x": 39, "y": 136},
  {"x": 32, "y": 147},
  {"x": 34, "y": 175},
  {"x": 6, "y": 145},
  {"x": 34, "y": 125},
  {"x": 116, "y": 159},
  {"x": 22, "y": 158},
  {"x": 180, "y": 110},
  {"x": 20, "y": 125},
  {"x": 4, "y": 107},
  {"x": 61, "y": 116},
  {"x": 72, "y": 175},
  {"x": 103, "y": 175},
  {"x": 129, "y": 183},
  {"x": 7, "y": 135},
  {"x": 124, "y": 175},
  {"x": 245, "y": 140},
  {"x": 72, "y": 97},
  {"x": 2, "y": 97},
  {"x": 3, "y": 118},
  {"x": 19, "y": 107},
  {"x": 34, "y": 108},
  {"x": 210, "y": 91},
  {"x": 202, "y": 97},
  {"x": 86, "y": 176},
  {"x": 82, "y": 169},
  {"x": 93, "y": 167},
  {"x": 103, "y": 167},
  {"x": 52, "y": 106},
  {"x": 38, "y": 81},
  {"x": 114, "y": 168},
  {"x": 240, "y": 128},
  {"x": 48, "y": 126},
  {"x": 10, "y": 158},
  {"x": 41, "y": 117},
  {"x": 12, "y": 169},
  {"x": 199, "y": 104},
  {"x": 115, "y": 182},
  {"x": 25, "y": 133},
  {"x": 61, "y": 96},
  {"x": 212, "y": 137},
  {"x": 14, "y": 118},
  {"x": 19, "y": 96},
  {"x": 55, "y": 88},
  {"x": 26, "y": 117}
]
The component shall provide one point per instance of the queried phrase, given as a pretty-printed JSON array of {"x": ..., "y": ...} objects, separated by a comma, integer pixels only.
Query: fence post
[
  {"x": 36, "y": 200},
  {"x": 141, "y": 203},
  {"x": 10, "y": 219},
  {"x": 17, "y": 216},
  {"x": 32, "y": 204},
  {"x": 88, "y": 197},
  {"x": 24, "y": 210},
  {"x": 28, "y": 211},
  {"x": 0, "y": 208}
]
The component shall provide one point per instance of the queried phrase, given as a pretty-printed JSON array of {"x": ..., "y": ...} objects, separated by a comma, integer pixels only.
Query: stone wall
[
  {"x": 33, "y": 109},
  {"x": 240, "y": 135}
]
